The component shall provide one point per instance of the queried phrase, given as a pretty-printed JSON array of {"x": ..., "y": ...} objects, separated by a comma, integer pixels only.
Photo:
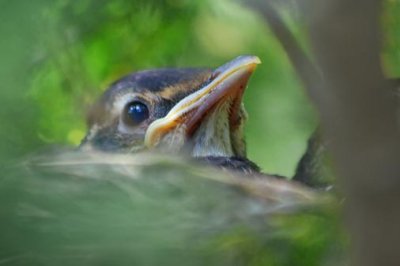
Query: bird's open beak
[{"x": 227, "y": 82}]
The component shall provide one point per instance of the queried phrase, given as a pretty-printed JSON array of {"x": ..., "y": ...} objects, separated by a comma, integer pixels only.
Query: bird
[{"x": 195, "y": 112}]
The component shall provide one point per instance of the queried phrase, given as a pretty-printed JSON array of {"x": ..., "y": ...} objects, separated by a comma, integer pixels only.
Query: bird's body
[{"x": 194, "y": 112}]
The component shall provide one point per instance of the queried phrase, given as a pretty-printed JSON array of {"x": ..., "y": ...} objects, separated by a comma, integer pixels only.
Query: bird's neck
[{"x": 213, "y": 137}]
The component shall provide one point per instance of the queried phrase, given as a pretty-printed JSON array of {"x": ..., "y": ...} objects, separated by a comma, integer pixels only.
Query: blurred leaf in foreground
[{"x": 75, "y": 208}]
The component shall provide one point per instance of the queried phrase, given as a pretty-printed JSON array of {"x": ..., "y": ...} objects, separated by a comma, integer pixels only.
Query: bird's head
[{"x": 198, "y": 111}]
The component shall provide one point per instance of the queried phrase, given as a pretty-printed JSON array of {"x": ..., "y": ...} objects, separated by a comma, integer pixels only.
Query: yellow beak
[{"x": 228, "y": 81}]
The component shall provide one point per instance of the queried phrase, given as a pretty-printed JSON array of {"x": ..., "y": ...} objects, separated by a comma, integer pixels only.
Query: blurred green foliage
[
  {"x": 79, "y": 209},
  {"x": 391, "y": 51}
]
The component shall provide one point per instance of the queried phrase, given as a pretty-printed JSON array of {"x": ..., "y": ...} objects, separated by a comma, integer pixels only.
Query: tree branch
[
  {"x": 358, "y": 114},
  {"x": 306, "y": 70},
  {"x": 360, "y": 120}
]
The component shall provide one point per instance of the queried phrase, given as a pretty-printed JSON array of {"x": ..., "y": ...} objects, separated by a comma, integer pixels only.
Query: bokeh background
[{"x": 58, "y": 56}]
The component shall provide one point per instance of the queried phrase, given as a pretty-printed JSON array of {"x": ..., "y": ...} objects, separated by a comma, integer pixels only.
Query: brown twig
[{"x": 306, "y": 70}]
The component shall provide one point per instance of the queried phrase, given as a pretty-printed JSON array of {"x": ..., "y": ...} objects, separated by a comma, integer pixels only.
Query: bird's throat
[{"x": 213, "y": 136}]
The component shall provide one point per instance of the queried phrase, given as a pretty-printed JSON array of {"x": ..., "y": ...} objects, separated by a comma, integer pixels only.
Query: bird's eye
[{"x": 135, "y": 113}]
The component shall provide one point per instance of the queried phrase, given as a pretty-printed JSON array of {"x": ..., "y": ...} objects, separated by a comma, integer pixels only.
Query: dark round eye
[{"x": 135, "y": 113}]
